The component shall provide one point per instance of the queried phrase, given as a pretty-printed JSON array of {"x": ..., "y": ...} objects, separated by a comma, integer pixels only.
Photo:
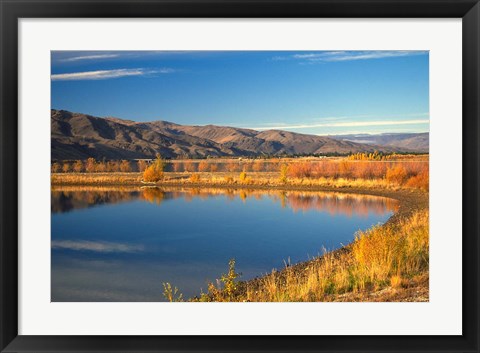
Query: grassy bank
[
  {"x": 243, "y": 179},
  {"x": 97, "y": 179},
  {"x": 358, "y": 171},
  {"x": 384, "y": 263}
]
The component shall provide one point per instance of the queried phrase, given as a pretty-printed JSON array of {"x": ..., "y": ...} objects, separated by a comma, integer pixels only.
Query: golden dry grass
[
  {"x": 95, "y": 178},
  {"x": 301, "y": 172},
  {"x": 235, "y": 179},
  {"x": 297, "y": 172},
  {"x": 388, "y": 258}
]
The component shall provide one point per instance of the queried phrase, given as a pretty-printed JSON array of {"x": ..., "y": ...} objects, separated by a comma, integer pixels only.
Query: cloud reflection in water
[{"x": 97, "y": 246}]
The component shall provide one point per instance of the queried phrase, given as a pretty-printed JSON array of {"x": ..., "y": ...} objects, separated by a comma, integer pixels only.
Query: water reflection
[
  {"x": 120, "y": 244},
  {"x": 65, "y": 199},
  {"x": 98, "y": 246}
]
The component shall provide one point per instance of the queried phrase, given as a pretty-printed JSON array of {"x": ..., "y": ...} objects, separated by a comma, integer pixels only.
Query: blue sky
[{"x": 313, "y": 92}]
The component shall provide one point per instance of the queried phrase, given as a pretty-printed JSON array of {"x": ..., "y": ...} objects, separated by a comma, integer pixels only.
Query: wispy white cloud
[
  {"x": 345, "y": 124},
  {"x": 107, "y": 74},
  {"x": 336, "y": 56},
  {"x": 105, "y": 247},
  {"x": 91, "y": 57},
  {"x": 85, "y": 56},
  {"x": 397, "y": 130}
]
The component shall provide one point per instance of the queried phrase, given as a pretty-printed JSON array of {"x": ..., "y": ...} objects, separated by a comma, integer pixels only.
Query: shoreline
[
  {"x": 409, "y": 199},
  {"x": 409, "y": 202}
]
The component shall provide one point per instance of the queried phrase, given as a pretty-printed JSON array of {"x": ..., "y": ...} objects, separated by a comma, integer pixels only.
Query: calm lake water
[{"x": 121, "y": 244}]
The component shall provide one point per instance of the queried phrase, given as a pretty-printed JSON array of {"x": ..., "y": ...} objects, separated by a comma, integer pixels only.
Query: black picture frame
[{"x": 11, "y": 11}]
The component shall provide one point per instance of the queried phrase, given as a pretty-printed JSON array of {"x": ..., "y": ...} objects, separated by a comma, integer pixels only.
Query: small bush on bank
[
  {"x": 194, "y": 178},
  {"x": 155, "y": 172}
]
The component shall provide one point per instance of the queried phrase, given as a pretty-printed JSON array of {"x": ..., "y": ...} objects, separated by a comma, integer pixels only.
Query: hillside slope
[{"x": 79, "y": 136}]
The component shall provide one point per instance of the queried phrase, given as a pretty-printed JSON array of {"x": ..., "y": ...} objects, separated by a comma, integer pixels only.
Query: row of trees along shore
[
  {"x": 91, "y": 165},
  {"x": 359, "y": 166}
]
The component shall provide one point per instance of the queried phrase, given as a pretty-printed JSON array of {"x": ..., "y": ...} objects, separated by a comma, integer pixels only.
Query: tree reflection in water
[{"x": 64, "y": 199}]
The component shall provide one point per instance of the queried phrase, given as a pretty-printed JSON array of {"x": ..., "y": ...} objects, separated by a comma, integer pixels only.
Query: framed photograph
[{"x": 239, "y": 176}]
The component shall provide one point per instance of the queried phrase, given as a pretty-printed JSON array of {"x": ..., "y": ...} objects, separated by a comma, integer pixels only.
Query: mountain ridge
[{"x": 80, "y": 136}]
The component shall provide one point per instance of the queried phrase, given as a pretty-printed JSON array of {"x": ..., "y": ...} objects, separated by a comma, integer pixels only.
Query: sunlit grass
[
  {"x": 402, "y": 172},
  {"x": 237, "y": 179},
  {"x": 389, "y": 256},
  {"x": 95, "y": 178}
]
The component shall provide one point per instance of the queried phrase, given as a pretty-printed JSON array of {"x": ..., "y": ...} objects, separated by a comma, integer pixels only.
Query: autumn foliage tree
[
  {"x": 177, "y": 166},
  {"x": 189, "y": 166},
  {"x": 155, "y": 172},
  {"x": 299, "y": 170},
  {"x": 283, "y": 173},
  {"x": 420, "y": 180},
  {"x": 56, "y": 167},
  {"x": 142, "y": 165},
  {"x": 78, "y": 167},
  {"x": 213, "y": 167},
  {"x": 113, "y": 166},
  {"x": 247, "y": 166},
  {"x": 66, "y": 167},
  {"x": 203, "y": 166},
  {"x": 101, "y": 167},
  {"x": 396, "y": 174},
  {"x": 232, "y": 166},
  {"x": 258, "y": 166},
  {"x": 243, "y": 177},
  {"x": 90, "y": 165},
  {"x": 125, "y": 166}
]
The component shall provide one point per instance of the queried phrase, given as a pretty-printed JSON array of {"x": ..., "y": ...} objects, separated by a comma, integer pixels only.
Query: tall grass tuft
[{"x": 172, "y": 294}]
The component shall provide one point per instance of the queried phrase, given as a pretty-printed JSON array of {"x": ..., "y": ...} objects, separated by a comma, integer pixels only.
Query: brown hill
[
  {"x": 276, "y": 142},
  {"x": 79, "y": 136}
]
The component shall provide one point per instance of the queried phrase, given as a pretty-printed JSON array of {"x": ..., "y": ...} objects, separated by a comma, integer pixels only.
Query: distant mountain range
[
  {"x": 418, "y": 142},
  {"x": 80, "y": 136}
]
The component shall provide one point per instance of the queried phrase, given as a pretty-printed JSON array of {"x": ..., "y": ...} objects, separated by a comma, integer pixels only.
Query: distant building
[{"x": 147, "y": 160}]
